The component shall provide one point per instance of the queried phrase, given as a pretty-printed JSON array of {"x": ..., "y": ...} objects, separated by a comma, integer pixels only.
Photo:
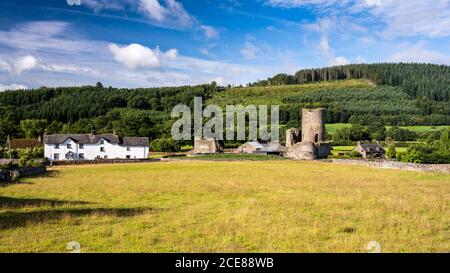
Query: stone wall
[
  {"x": 387, "y": 164},
  {"x": 103, "y": 161}
]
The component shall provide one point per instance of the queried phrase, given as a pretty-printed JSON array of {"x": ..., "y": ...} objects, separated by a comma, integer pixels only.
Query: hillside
[
  {"x": 358, "y": 94},
  {"x": 417, "y": 80}
]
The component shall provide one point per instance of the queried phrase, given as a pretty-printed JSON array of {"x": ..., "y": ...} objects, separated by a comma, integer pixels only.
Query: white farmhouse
[{"x": 93, "y": 146}]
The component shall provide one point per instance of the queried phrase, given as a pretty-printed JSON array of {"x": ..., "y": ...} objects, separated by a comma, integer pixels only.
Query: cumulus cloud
[
  {"x": 209, "y": 32},
  {"x": 135, "y": 55},
  {"x": 13, "y": 86},
  {"x": 25, "y": 63}
]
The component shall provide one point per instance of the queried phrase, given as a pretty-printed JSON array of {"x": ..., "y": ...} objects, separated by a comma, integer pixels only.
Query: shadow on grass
[
  {"x": 10, "y": 220},
  {"x": 17, "y": 203},
  {"x": 47, "y": 174}
]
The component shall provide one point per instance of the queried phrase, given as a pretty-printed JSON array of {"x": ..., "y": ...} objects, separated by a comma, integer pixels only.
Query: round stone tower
[{"x": 313, "y": 128}]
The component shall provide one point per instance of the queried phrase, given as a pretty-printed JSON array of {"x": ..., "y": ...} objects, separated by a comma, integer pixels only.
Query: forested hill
[
  {"x": 417, "y": 80},
  {"x": 404, "y": 94}
]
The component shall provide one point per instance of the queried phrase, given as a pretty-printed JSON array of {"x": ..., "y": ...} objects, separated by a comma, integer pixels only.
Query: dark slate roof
[
  {"x": 20, "y": 143},
  {"x": 92, "y": 139},
  {"x": 372, "y": 148},
  {"x": 135, "y": 141}
]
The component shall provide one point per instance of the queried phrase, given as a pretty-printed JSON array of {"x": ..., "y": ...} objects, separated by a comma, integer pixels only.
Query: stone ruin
[
  {"x": 313, "y": 145},
  {"x": 207, "y": 146}
]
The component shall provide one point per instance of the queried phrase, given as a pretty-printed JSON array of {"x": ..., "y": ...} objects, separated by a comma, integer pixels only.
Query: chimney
[
  {"x": 92, "y": 135},
  {"x": 39, "y": 138},
  {"x": 114, "y": 132}
]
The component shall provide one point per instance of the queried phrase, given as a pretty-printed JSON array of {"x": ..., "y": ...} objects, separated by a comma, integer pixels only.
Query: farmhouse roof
[
  {"x": 371, "y": 147},
  {"x": 21, "y": 143},
  {"x": 93, "y": 139}
]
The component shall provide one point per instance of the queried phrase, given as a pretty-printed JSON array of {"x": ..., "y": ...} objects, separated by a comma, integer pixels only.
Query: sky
[{"x": 148, "y": 43}]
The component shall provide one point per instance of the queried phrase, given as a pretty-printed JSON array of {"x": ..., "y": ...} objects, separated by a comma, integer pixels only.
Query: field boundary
[
  {"x": 102, "y": 161},
  {"x": 389, "y": 164}
]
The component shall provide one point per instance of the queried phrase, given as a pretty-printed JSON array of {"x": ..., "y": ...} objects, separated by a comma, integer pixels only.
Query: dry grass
[{"x": 279, "y": 206}]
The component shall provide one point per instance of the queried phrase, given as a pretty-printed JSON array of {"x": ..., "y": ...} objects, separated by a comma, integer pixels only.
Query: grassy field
[
  {"x": 273, "y": 95},
  {"x": 279, "y": 206}
]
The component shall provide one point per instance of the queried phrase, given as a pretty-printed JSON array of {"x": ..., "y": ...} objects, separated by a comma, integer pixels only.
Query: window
[
  {"x": 105, "y": 157},
  {"x": 56, "y": 156},
  {"x": 81, "y": 156},
  {"x": 81, "y": 146},
  {"x": 69, "y": 146},
  {"x": 128, "y": 149},
  {"x": 102, "y": 149},
  {"x": 102, "y": 141},
  {"x": 56, "y": 146},
  {"x": 128, "y": 157}
]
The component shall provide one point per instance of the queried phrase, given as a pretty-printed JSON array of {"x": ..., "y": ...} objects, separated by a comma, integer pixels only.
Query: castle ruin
[{"x": 313, "y": 145}]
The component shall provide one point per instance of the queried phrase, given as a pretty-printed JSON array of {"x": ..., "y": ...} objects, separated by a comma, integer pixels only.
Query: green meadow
[{"x": 245, "y": 206}]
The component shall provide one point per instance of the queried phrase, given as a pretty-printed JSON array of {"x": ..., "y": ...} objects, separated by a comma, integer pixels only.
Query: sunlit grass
[{"x": 279, "y": 206}]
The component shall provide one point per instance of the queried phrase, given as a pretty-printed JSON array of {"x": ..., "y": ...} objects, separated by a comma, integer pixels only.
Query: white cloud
[
  {"x": 419, "y": 54},
  {"x": 301, "y": 3},
  {"x": 340, "y": 60},
  {"x": 13, "y": 86},
  {"x": 171, "y": 54},
  {"x": 249, "y": 51},
  {"x": 412, "y": 18},
  {"x": 153, "y": 9},
  {"x": 209, "y": 32},
  {"x": 134, "y": 56},
  {"x": 399, "y": 17},
  {"x": 65, "y": 60},
  {"x": 25, "y": 63}
]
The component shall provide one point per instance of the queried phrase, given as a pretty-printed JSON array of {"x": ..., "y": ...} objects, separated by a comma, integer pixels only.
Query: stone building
[
  {"x": 313, "y": 145},
  {"x": 370, "y": 150},
  {"x": 207, "y": 146}
]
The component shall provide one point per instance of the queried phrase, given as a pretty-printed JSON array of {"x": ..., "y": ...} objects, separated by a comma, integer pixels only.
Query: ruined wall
[
  {"x": 207, "y": 146},
  {"x": 313, "y": 128},
  {"x": 292, "y": 136},
  {"x": 323, "y": 149}
]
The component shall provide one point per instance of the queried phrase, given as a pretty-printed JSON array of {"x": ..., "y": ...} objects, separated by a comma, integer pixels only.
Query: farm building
[
  {"x": 255, "y": 147},
  {"x": 93, "y": 146},
  {"x": 370, "y": 150},
  {"x": 23, "y": 143}
]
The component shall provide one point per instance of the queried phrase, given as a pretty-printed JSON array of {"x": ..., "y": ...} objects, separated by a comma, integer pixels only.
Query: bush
[
  {"x": 164, "y": 145},
  {"x": 391, "y": 153},
  {"x": 425, "y": 154},
  {"x": 354, "y": 154},
  {"x": 400, "y": 134}
]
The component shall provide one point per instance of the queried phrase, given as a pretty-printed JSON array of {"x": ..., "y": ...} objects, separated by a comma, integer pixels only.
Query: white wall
[{"x": 92, "y": 151}]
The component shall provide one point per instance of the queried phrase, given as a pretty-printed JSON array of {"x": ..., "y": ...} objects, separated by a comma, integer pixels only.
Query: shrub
[
  {"x": 391, "y": 153},
  {"x": 164, "y": 145}
]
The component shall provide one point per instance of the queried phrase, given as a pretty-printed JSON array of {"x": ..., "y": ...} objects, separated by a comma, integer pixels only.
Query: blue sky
[{"x": 145, "y": 43}]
